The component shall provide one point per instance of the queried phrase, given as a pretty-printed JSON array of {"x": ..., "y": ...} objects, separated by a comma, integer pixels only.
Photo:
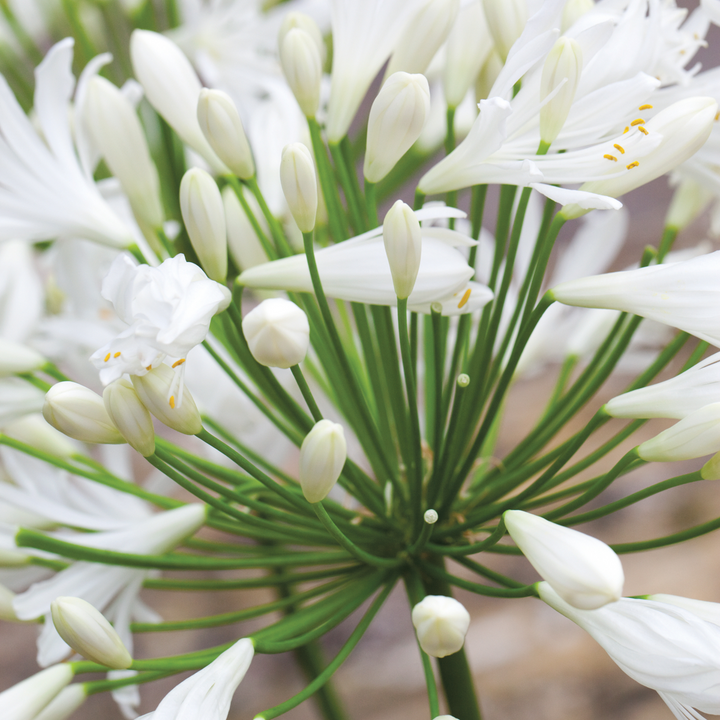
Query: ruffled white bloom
[
  {"x": 666, "y": 648},
  {"x": 441, "y": 624},
  {"x": 26, "y": 699},
  {"x": 583, "y": 570},
  {"x": 208, "y": 693},
  {"x": 322, "y": 457},
  {"x": 358, "y": 270},
  {"x": 168, "y": 310},
  {"x": 277, "y": 332}
]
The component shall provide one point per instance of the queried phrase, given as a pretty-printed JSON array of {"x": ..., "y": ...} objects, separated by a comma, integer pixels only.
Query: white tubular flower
[
  {"x": 18, "y": 358},
  {"x": 397, "y": 117},
  {"x": 79, "y": 413},
  {"x": 88, "y": 633},
  {"x": 299, "y": 184},
  {"x": 403, "y": 244},
  {"x": 204, "y": 217},
  {"x": 64, "y": 704},
  {"x": 682, "y": 294},
  {"x": 302, "y": 66},
  {"x": 130, "y": 416},
  {"x": 423, "y": 36},
  {"x": 358, "y": 270},
  {"x": 277, "y": 332},
  {"x": 322, "y": 457},
  {"x": 222, "y": 127},
  {"x": 163, "y": 394},
  {"x": 560, "y": 75},
  {"x": 116, "y": 132},
  {"x": 583, "y": 570},
  {"x": 168, "y": 310},
  {"x": 243, "y": 242},
  {"x": 663, "y": 647},
  {"x": 26, "y": 699},
  {"x": 507, "y": 19},
  {"x": 441, "y": 624},
  {"x": 703, "y": 609},
  {"x": 172, "y": 88},
  {"x": 208, "y": 693}
]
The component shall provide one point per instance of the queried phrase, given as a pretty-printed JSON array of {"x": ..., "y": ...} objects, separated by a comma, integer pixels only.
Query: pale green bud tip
[
  {"x": 88, "y": 632},
  {"x": 131, "y": 417},
  {"x": 79, "y": 413},
  {"x": 302, "y": 66},
  {"x": 322, "y": 457},
  {"x": 711, "y": 469},
  {"x": 294, "y": 19},
  {"x": 560, "y": 77},
  {"x": 7, "y": 612},
  {"x": 403, "y": 245},
  {"x": 277, "y": 332},
  {"x": 18, "y": 358},
  {"x": 430, "y": 516},
  {"x": 441, "y": 624},
  {"x": 689, "y": 200},
  {"x": 463, "y": 380},
  {"x": 299, "y": 184}
]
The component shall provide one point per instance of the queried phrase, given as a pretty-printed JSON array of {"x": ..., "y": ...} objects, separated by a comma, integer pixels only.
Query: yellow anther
[
  {"x": 178, "y": 362},
  {"x": 645, "y": 107},
  {"x": 465, "y": 298},
  {"x": 610, "y": 157},
  {"x": 632, "y": 165},
  {"x": 639, "y": 121},
  {"x": 717, "y": 116},
  {"x": 149, "y": 367},
  {"x": 643, "y": 130},
  {"x": 172, "y": 402},
  {"x": 625, "y": 130},
  {"x": 107, "y": 357},
  {"x": 116, "y": 355}
]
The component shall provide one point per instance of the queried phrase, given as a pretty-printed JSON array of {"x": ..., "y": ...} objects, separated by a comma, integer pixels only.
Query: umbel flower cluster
[{"x": 233, "y": 357}]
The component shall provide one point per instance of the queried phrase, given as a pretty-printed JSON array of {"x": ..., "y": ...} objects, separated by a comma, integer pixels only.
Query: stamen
[
  {"x": 620, "y": 148},
  {"x": 639, "y": 121},
  {"x": 148, "y": 367},
  {"x": 116, "y": 355},
  {"x": 632, "y": 165},
  {"x": 610, "y": 157},
  {"x": 717, "y": 116},
  {"x": 625, "y": 130},
  {"x": 645, "y": 107},
  {"x": 107, "y": 357},
  {"x": 465, "y": 298},
  {"x": 178, "y": 362},
  {"x": 643, "y": 130},
  {"x": 172, "y": 401}
]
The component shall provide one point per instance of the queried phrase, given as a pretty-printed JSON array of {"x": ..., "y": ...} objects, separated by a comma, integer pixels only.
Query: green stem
[
  {"x": 281, "y": 244},
  {"x": 354, "y": 203},
  {"x": 306, "y": 393},
  {"x": 262, "y": 237}
]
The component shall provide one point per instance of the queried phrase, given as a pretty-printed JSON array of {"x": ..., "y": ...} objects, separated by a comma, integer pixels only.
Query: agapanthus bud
[
  {"x": 689, "y": 200},
  {"x": 80, "y": 413},
  {"x": 301, "y": 63},
  {"x": 6, "y": 604},
  {"x": 130, "y": 416},
  {"x": 204, "y": 217},
  {"x": 156, "y": 390},
  {"x": 87, "y": 632},
  {"x": 277, "y": 332},
  {"x": 34, "y": 430},
  {"x": 573, "y": 11},
  {"x": 297, "y": 176},
  {"x": 403, "y": 245},
  {"x": 18, "y": 358},
  {"x": 441, "y": 624},
  {"x": 562, "y": 69},
  {"x": 397, "y": 117},
  {"x": 583, "y": 570},
  {"x": 64, "y": 704},
  {"x": 116, "y": 132},
  {"x": 222, "y": 127},
  {"x": 295, "y": 19},
  {"x": 507, "y": 19},
  {"x": 26, "y": 699},
  {"x": 322, "y": 457}
]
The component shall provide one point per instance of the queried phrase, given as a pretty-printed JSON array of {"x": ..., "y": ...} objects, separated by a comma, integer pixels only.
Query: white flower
[
  {"x": 583, "y": 570},
  {"x": 703, "y": 609},
  {"x": 441, "y": 624},
  {"x": 168, "y": 310},
  {"x": 666, "y": 648},
  {"x": 322, "y": 457},
  {"x": 208, "y": 693},
  {"x": 26, "y": 699},
  {"x": 64, "y": 704}
]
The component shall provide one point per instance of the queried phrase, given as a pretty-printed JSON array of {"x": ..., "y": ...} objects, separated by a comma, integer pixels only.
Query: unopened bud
[
  {"x": 322, "y": 457},
  {"x": 295, "y": 19},
  {"x": 13, "y": 558},
  {"x": 64, "y": 704},
  {"x": 130, "y": 416},
  {"x": 573, "y": 11},
  {"x": 277, "y": 332},
  {"x": 441, "y": 624},
  {"x": 222, "y": 127},
  {"x": 688, "y": 201},
  {"x": 561, "y": 74},
  {"x": 397, "y": 117},
  {"x": 157, "y": 390},
  {"x": 25, "y": 700},
  {"x": 87, "y": 632},
  {"x": 301, "y": 63},
  {"x": 7, "y": 612},
  {"x": 80, "y": 413},
  {"x": 506, "y": 19},
  {"x": 204, "y": 217},
  {"x": 18, "y": 358},
  {"x": 403, "y": 245},
  {"x": 299, "y": 184},
  {"x": 430, "y": 516},
  {"x": 34, "y": 430}
]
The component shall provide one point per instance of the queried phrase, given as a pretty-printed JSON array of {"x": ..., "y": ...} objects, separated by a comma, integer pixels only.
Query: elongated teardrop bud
[
  {"x": 302, "y": 66},
  {"x": 403, "y": 245},
  {"x": 299, "y": 184},
  {"x": 130, "y": 416},
  {"x": 322, "y": 456}
]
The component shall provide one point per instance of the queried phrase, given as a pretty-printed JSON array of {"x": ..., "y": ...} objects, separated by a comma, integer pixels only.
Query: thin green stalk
[
  {"x": 22, "y": 36},
  {"x": 666, "y": 242},
  {"x": 350, "y": 162},
  {"x": 679, "y": 537},
  {"x": 493, "y": 538},
  {"x": 281, "y": 244},
  {"x": 85, "y": 44},
  {"x": 306, "y": 393},
  {"x": 354, "y": 203},
  {"x": 371, "y": 203},
  {"x": 477, "y": 588},
  {"x": 434, "y": 377}
]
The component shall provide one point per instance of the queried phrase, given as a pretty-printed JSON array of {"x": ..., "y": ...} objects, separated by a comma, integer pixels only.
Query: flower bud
[
  {"x": 64, "y": 704},
  {"x": 13, "y": 558},
  {"x": 397, "y": 118},
  {"x": 711, "y": 469},
  {"x": 506, "y": 19},
  {"x": 222, "y": 127},
  {"x": 34, "y": 430},
  {"x": 573, "y": 11},
  {"x": 26, "y": 699},
  {"x": 403, "y": 245},
  {"x": 295, "y": 19},
  {"x": 79, "y": 413},
  {"x": 155, "y": 390},
  {"x": 322, "y": 457},
  {"x": 87, "y": 632},
  {"x": 204, "y": 217},
  {"x": 130, "y": 416},
  {"x": 18, "y": 358},
  {"x": 689, "y": 200},
  {"x": 116, "y": 132},
  {"x": 297, "y": 176},
  {"x": 300, "y": 59},
  {"x": 7, "y": 612},
  {"x": 584, "y": 571},
  {"x": 562, "y": 70},
  {"x": 441, "y": 624},
  {"x": 277, "y": 332},
  {"x": 243, "y": 242}
]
